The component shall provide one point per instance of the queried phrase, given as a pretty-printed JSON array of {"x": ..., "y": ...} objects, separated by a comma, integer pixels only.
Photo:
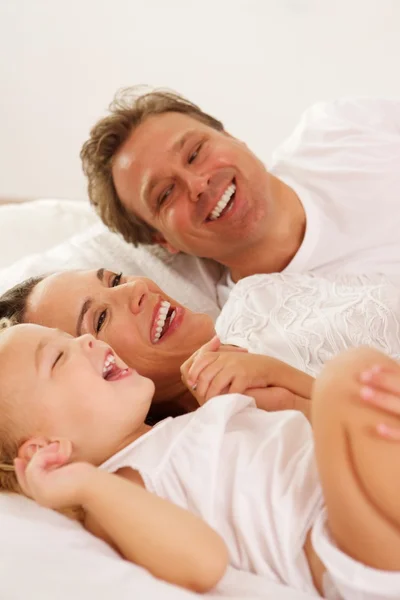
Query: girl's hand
[
  {"x": 381, "y": 388},
  {"x": 50, "y": 480},
  {"x": 213, "y": 370}
]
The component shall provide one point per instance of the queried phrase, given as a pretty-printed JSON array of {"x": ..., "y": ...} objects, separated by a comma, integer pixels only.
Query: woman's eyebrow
[
  {"x": 85, "y": 307},
  {"x": 100, "y": 275},
  {"x": 87, "y": 304}
]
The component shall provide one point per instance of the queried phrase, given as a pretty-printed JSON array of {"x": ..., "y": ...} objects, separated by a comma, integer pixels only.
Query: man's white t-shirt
[{"x": 343, "y": 162}]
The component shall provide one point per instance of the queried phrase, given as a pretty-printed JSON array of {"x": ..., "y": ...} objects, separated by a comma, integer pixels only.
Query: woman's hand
[
  {"x": 381, "y": 388},
  {"x": 50, "y": 480},
  {"x": 216, "y": 369}
]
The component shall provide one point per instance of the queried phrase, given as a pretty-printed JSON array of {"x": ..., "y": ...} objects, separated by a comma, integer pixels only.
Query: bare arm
[{"x": 173, "y": 544}]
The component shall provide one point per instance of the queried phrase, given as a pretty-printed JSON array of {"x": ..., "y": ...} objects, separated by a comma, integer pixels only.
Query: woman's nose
[{"x": 137, "y": 293}]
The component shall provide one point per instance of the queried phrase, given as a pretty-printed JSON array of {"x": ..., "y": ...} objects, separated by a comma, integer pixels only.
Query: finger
[
  {"x": 387, "y": 402},
  {"x": 200, "y": 363},
  {"x": 219, "y": 383},
  {"x": 45, "y": 459},
  {"x": 387, "y": 381},
  {"x": 20, "y": 467},
  {"x": 210, "y": 346},
  {"x": 387, "y": 432},
  {"x": 229, "y": 348},
  {"x": 206, "y": 377}
]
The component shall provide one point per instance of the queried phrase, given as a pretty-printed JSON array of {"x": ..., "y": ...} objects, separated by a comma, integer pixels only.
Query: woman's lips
[{"x": 162, "y": 326}]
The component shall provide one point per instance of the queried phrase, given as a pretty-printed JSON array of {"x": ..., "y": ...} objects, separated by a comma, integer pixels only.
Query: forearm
[
  {"x": 170, "y": 542},
  {"x": 292, "y": 379}
]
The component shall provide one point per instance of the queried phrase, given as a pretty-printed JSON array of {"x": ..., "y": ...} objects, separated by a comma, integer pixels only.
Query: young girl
[{"x": 70, "y": 405}]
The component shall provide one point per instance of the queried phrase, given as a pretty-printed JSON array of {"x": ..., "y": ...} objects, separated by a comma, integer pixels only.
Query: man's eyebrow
[
  {"x": 85, "y": 307},
  {"x": 150, "y": 183}
]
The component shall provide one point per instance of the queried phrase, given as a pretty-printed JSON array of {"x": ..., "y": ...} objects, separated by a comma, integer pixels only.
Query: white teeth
[
  {"x": 160, "y": 319},
  {"x": 225, "y": 198},
  {"x": 108, "y": 363}
]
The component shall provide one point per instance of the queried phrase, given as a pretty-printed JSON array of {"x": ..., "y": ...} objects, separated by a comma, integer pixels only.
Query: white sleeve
[
  {"x": 353, "y": 580},
  {"x": 351, "y": 116}
]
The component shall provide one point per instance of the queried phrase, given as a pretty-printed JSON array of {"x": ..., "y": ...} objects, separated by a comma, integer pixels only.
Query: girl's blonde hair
[
  {"x": 9, "y": 451},
  {"x": 8, "y": 444}
]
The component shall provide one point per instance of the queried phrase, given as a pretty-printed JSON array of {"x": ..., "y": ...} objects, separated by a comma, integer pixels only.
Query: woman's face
[{"x": 150, "y": 331}]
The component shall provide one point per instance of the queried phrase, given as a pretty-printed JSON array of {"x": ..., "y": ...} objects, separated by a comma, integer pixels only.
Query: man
[{"x": 161, "y": 171}]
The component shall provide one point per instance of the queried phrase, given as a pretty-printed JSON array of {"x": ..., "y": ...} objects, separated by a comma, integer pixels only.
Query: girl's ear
[{"x": 31, "y": 446}]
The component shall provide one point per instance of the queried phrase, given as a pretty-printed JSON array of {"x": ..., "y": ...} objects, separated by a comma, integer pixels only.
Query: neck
[
  {"x": 171, "y": 402},
  {"x": 272, "y": 253}
]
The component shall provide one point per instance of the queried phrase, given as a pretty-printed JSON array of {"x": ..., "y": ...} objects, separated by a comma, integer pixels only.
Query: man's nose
[{"x": 197, "y": 185}]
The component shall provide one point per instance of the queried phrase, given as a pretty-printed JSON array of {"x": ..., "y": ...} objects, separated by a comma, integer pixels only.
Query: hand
[
  {"x": 214, "y": 370},
  {"x": 381, "y": 388},
  {"x": 50, "y": 480}
]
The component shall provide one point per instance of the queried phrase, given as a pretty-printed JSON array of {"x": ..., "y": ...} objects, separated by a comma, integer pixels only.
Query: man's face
[{"x": 201, "y": 189}]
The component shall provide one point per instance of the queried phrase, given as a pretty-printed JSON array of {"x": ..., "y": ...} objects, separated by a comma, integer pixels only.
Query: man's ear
[
  {"x": 159, "y": 239},
  {"x": 31, "y": 446}
]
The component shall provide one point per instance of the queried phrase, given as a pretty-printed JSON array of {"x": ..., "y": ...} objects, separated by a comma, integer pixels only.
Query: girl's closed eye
[{"x": 59, "y": 355}]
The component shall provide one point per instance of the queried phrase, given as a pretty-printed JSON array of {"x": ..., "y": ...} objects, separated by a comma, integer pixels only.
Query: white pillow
[
  {"x": 45, "y": 556},
  {"x": 29, "y": 227},
  {"x": 188, "y": 279}
]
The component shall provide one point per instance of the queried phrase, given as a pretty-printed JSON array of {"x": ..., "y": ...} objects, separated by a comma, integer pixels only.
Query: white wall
[{"x": 254, "y": 63}]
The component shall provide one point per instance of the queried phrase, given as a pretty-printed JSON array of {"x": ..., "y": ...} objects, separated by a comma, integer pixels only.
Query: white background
[{"x": 256, "y": 64}]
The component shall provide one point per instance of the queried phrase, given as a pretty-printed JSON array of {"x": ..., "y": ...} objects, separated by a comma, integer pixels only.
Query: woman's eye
[
  {"x": 59, "y": 356},
  {"x": 163, "y": 197},
  {"x": 194, "y": 155},
  {"x": 100, "y": 321},
  {"x": 116, "y": 280}
]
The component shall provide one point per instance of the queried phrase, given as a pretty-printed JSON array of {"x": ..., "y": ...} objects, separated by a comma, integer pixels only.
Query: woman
[
  {"x": 149, "y": 330},
  {"x": 301, "y": 320}
]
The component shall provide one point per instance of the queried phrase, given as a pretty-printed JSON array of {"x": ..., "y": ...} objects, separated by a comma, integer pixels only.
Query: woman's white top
[{"x": 305, "y": 320}]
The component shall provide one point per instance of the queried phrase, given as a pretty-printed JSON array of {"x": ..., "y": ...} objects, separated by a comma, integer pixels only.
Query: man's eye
[
  {"x": 59, "y": 355},
  {"x": 116, "y": 280},
  {"x": 163, "y": 197},
  {"x": 100, "y": 321},
  {"x": 194, "y": 154}
]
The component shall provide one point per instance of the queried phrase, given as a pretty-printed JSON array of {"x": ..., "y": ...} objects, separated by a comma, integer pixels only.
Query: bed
[{"x": 43, "y": 554}]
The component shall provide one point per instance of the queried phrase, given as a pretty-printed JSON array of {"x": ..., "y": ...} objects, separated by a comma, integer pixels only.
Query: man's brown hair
[{"x": 128, "y": 110}]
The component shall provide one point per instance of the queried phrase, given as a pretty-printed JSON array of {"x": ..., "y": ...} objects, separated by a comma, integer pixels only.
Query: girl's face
[
  {"x": 74, "y": 388},
  {"x": 149, "y": 330}
]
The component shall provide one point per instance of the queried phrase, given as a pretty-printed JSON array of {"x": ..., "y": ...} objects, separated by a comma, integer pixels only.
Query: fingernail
[
  {"x": 386, "y": 431},
  {"x": 366, "y": 376},
  {"x": 367, "y": 393}
]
